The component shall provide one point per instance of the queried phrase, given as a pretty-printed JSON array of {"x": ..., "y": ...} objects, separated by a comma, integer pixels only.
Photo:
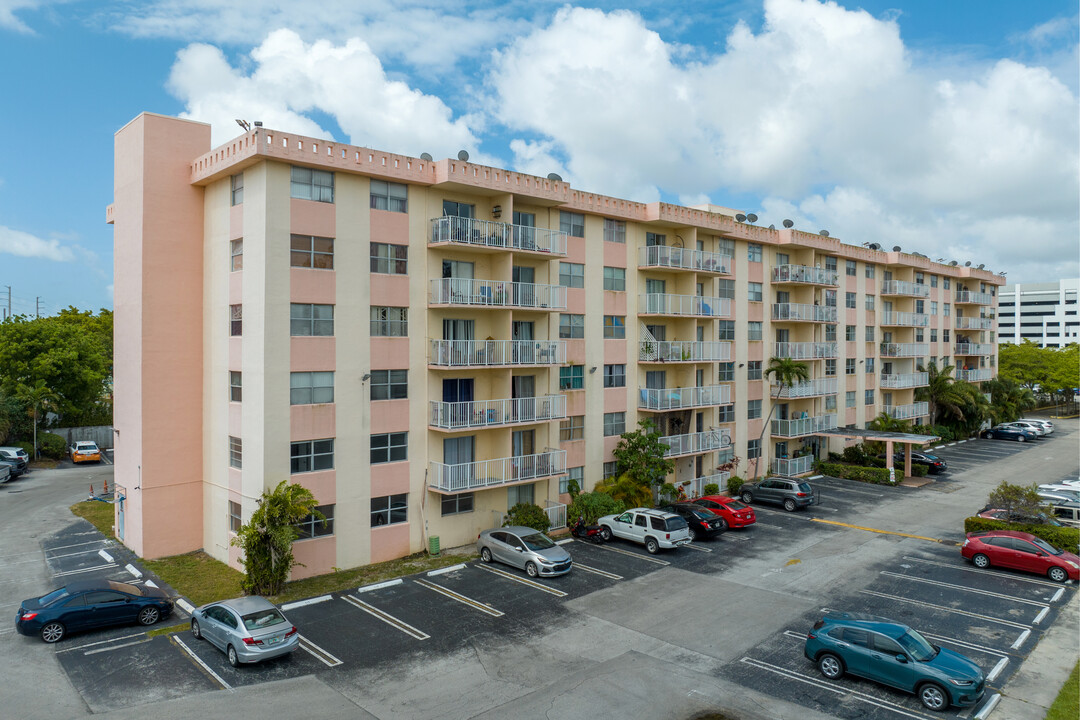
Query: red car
[
  {"x": 734, "y": 513},
  {"x": 1020, "y": 551}
]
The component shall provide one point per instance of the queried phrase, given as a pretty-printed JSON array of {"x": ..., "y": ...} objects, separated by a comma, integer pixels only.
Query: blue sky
[{"x": 948, "y": 128}]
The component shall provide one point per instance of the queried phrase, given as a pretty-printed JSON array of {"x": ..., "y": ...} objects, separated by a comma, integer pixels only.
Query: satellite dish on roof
[
  {"x": 788, "y": 223},
  {"x": 772, "y": 227},
  {"x": 967, "y": 264},
  {"x": 953, "y": 263},
  {"x": 874, "y": 246},
  {"x": 751, "y": 217},
  {"x": 463, "y": 155},
  {"x": 896, "y": 248},
  {"x": 823, "y": 233},
  {"x": 981, "y": 266},
  {"x": 554, "y": 177},
  {"x": 739, "y": 217},
  {"x": 426, "y": 156}
]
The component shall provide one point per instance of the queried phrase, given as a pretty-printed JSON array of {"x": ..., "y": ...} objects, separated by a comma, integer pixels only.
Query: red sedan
[
  {"x": 1020, "y": 551},
  {"x": 734, "y": 513}
]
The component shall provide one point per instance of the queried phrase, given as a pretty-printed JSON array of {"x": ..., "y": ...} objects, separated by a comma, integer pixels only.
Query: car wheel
[
  {"x": 1057, "y": 574},
  {"x": 530, "y": 568},
  {"x": 234, "y": 659},
  {"x": 485, "y": 555},
  {"x": 693, "y": 535},
  {"x": 196, "y": 631},
  {"x": 933, "y": 697},
  {"x": 747, "y": 497},
  {"x": 723, "y": 525},
  {"x": 605, "y": 532},
  {"x": 790, "y": 505},
  {"x": 830, "y": 666},
  {"x": 149, "y": 615},
  {"x": 981, "y": 561},
  {"x": 1019, "y": 438},
  {"x": 652, "y": 546},
  {"x": 52, "y": 632}
]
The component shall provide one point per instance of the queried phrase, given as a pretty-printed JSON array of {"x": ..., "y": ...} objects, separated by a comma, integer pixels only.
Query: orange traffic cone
[{"x": 105, "y": 489}]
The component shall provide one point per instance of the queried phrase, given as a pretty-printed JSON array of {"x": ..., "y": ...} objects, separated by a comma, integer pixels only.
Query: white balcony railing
[
  {"x": 976, "y": 375},
  {"x": 793, "y": 466},
  {"x": 905, "y": 319},
  {"x": 974, "y": 323},
  {"x": 493, "y": 234},
  {"x": 693, "y": 305},
  {"x": 493, "y": 353},
  {"x": 806, "y": 350},
  {"x": 492, "y": 413},
  {"x": 909, "y": 411},
  {"x": 556, "y": 513},
  {"x": 798, "y": 427},
  {"x": 966, "y": 297},
  {"x": 974, "y": 349},
  {"x": 492, "y": 473},
  {"x": 810, "y": 388},
  {"x": 800, "y": 312},
  {"x": 804, "y": 274},
  {"x": 662, "y": 256},
  {"x": 902, "y": 287},
  {"x": 683, "y": 351},
  {"x": 687, "y": 397},
  {"x": 696, "y": 488},
  {"x": 694, "y": 443},
  {"x": 900, "y": 381},
  {"x": 496, "y": 293},
  {"x": 904, "y": 350}
]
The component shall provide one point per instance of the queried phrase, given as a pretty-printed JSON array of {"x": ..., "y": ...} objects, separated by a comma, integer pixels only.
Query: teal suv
[{"x": 893, "y": 654}]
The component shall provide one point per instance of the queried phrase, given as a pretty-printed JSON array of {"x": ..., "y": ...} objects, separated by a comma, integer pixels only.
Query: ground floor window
[
  {"x": 312, "y": 526},
  {"x": 389, "y": 510},
  {"x": 457, "y": 504}
]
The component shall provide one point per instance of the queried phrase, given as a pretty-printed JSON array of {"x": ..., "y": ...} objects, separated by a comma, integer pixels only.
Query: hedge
[
  {"x": 1063, "y": 538},
  {"x": 877, "y": 476}
]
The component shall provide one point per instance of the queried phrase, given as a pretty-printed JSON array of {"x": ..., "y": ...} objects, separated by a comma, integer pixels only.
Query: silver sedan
[
  {"x": 525, "y": 548},
  {"x": 246, "y": 629}
]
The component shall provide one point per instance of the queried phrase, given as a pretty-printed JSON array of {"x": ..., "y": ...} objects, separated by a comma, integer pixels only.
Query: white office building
[{"x": 1044, "y": 313}]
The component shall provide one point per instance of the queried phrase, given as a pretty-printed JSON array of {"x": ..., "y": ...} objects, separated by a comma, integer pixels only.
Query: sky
[{"x": 946, "y": 128}]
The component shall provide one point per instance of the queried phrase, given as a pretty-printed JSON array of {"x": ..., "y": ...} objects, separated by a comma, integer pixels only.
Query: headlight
[
  {"x": 1073, "y": 564},
  {"x": 962, "y": 683}
]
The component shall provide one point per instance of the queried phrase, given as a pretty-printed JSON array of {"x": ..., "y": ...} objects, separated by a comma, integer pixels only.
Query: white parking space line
[
  {"x": 198, "y": 660},
  {"x": 988, "y": 593},
  {"x": 767, "y": 525},
  {"x": 65, "y": 547},
  {"x": 634, "y": 555},
  {"x": 997, "y": 669},
  {"x": 386, "y": 618},
  {"x": 83, "y": 570},
  {"x": 944, "y": 608},
  {"x": 100, "y": 642},
  {"x": 969, "y": 568},
  {"x": 117, "y": 647},
  {"x": 693, "y": 546},
  {"x": 318, "y": 653},
  {"x": 988, "y": 707},
  {"x": 458, "y": 597},
  {"x": 597, "y": 571},
  {"x": 309, "y": 601},
  {"x": 523, "y": 581}
]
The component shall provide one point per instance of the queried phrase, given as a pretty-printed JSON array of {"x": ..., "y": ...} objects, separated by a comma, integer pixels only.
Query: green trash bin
[{"x": 433, "y": 545}]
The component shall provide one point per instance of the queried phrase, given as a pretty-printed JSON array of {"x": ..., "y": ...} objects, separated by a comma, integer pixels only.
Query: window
[
  {"x": 725, "y": 246},
  {"x": 311, "y": 320},
  {"x": 727, "y": 330},
  {"x": 389, "y": 447},
  {"x": 830, "y": 298},
  {"x": 308, "y": 251},
  {"x": 933, "y": 334},
  {"x": 653, "y": 239},
  {"x": 918, "y": 334},
  {"x": 753, "y": 409},
  {"x": 236, "y": 255},
  {"x": 615, "y": 376},
  {"x": 830, "y": 263},
  {"x": 615, "y": 278},
  {"x": 753, "y": 449},
  {"x": 869, "y": 333},
  {"x": 614, "y": 423},
  {"x": 457, "y": 504},
  {"x": 312, "y": 526},
  {"x": 830, "y": 402},
  {"x": 869, "y": 302},
  {"x": 615, "y": 327},
  {"x": 830, "y": 333},
  {"x": 388, "y": 259},
  {"x": 572, "y": 275},
  {"x": 725, "y": 413},
  {"x": 575, "y": 475},
  {"x": 389, "y": 384},
  {"x": 933, "y": 307},
  {"x": 945, "y": 283},
  {"x": 572, "y": 428},
  {"x": 614, "y": 230},
  {"x": 753, "y": 370},
  {"x": 933, "y": 281},
  {"x": 571, "y": 377},
  {"x": 869, "y": 271},
  {"x": 920, "y": 278},
  {"x": 611, "y": 469},
  {"x": 869, "y": 398},
  {"x": 725, "y": 372},
  {"x": 236, "y": 320},
  {"x": 782, "y": 258},
  {"x": 311, "y": 455},
  {"x": 516, "y": 494},
  {"x": 947, "y": 310},
  {"x": 236, "y": 186},
  {"x": 830, "y": 367},
  {"x": 869, "y": 366},
  {"x": 753, "y": 252},
  {"x": 920, "y": 306},
  {"x": 849, "y": 300},
  {"x": 849, "y": 366},
  {"x": 753, "y": 291},
  {"x": 571, "y": 326},
  {"x": 849, "y": 333},
  {"x": 389, "y": 510},
  {"x": 945, "y": 335},
  {"x": 311, "y": 388},
  {"x": 849, "y": 398},
  {"x": 235, "y": 452},
  {"x": 573, "y": 224},
  {"x": 850, "y": 268},
  {"x": 235, "y": 521},
  {"x": 389, "y": 321},
  {"x": 389, "y": 196},
  {"x": 753, "y": 330},
  {"x": 311, "y": 184},
  {"x": 236, "y": 387}
]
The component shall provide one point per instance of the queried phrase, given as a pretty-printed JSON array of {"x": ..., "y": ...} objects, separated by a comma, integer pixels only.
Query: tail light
[
  {"x": 818, "y": 625},
  {"x": 800, "y": 494},
  {"x": 291, "y": 632},
  {"x": 252, "y": 641},
  {"x": 29, "y": 616},
  {"x": 811, "y": 636},
  {"x": 667, "y": 536}
]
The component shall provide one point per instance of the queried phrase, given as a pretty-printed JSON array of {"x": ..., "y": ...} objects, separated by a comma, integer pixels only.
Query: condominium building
[
  {"x": 1044, "y": 313},
  {"x": 424, "y": 343}
]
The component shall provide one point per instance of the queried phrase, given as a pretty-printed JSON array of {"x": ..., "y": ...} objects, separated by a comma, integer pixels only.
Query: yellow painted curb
[{"x": 883, "y": 532}]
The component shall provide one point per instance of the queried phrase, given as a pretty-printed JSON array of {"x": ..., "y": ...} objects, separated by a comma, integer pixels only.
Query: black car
[
  {"x": 702, "y": 523},
  {"x": 90, "y": 604},
  {"x": 933, "y": 463}
]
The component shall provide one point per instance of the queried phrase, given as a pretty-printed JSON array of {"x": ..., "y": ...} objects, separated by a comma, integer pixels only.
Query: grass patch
[
  {"x": 169, "y": 629},
  {"x": 1067, "y": 704},
  {"x": 99, "y": 514},
  {"x": 197, "y": 576}
]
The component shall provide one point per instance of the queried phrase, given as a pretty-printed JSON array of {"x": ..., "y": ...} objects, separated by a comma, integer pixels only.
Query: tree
[
  {"x": 1016, "y": 499},
  {"x": 941, "y": 393},
  {"x": 591, "y": 506},
  {"x": 15, "y": 419},
  {"x": 786, "y": 372},
  {"x": 39, "y": 398},
  {"x": 528, "y": 515},
  {"x": 885, "y": 422},
  {"x": 642, "y": 457},
  {"x": 627, "y": 490},
  {"x": 268, "y": 537},
  {"x": 1008, "y": 399}
]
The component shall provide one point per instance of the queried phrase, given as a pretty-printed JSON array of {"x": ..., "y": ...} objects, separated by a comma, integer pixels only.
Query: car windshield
[
  {"x": 126, "y": 588},
  {"x": 917, "y": 646},
  {"x": 1045, "y": 546},
  {"x": 537, "y": 541},
  {"x": 702, "y": 514},
  {"x": 262, "y": 619},
  {"x": 676, "y": 523},
  {"x": 53, "y": 596},
  {"x": 805, "y": 487},
  {"x": 737, "y": 505}
]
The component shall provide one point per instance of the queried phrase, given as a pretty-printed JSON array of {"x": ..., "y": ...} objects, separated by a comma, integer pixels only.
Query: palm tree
[
  {"x": 38, "y": 397},
  {"x": 1009, "y": 399},
  {"x": 942, "y": 393},
  {"x": 786, "y": 372},
  {"x": 885, "y": 422}
]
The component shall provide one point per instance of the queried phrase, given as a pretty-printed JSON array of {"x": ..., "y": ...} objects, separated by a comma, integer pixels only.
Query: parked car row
[
  {"x": 16, "y": 462},
  {"x": 1024, "y": 430}
]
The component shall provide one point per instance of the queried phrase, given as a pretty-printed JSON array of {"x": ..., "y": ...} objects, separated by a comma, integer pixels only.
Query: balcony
[
  {"x": 693, "y": 443},
  {"x": 663, "y": 399},
  {"x": 496, "y": 293},
  {"x": 496, "y": 353},
  {"x": 904, "y": 380},
  {"x": 973, "y": 349},
  {"x": 475, "y": 414},
  {"x": 799, "y": 312},
  {"x": 803, "y": 275},
  {"x": 490, "y": 234},
  {"x": 974, "y": 323},
  {"x": 976, "y": 375},
  {"x": 674, "y": 258},
  {"x": 800, "y": 427},
  {"x": 683, "y": 305},
  {"x": 806, "y": 350},
  {"x": 793, "y": 466},
  {"x": 901, "y": 287},
  {"x": 494, "y": 473},
  {"x": 904, "y": 319},
  {"x": 902, "y": 350},
  {"x": 696, "y": 488},
  {"x": 810, "y": 388},
  {"x": 657, "y": 351},
  {"x": 966, "y": 297},
  {"x": 909, "y": 411}
]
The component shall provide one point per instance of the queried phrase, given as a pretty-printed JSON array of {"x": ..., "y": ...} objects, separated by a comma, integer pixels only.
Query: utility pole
[
  {"x": 37, "y": 307},
  {"x": 6, "y": 316}
]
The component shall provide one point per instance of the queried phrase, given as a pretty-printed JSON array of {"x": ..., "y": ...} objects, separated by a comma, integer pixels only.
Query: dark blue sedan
[
  {"x": 1010, "y": 432},
  {"x": 88, "y": 604}
]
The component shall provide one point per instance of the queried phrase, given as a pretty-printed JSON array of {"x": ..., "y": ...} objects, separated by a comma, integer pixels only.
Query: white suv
[{"x": 655, "y": 529}]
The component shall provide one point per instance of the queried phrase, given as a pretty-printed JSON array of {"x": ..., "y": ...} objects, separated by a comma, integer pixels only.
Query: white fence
[{"x": 100, "y": 434}]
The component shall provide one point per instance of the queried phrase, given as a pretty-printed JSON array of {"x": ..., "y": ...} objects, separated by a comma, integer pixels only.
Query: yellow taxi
[{"x": 85, "y": 451}]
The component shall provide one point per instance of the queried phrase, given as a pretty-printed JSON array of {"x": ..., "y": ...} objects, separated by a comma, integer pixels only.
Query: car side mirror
[{"x": 901, "y": 658}]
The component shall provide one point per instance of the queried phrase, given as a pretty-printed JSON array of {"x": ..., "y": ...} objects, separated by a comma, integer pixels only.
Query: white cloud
[
  {"x": 8, "y": 8},
  {"x": 23, "y": 244}
]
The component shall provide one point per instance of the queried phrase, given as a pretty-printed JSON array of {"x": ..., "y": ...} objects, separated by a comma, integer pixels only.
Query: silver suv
[
  {"x": 792, "y": 493},
  {"x": 655, "y": 529}
]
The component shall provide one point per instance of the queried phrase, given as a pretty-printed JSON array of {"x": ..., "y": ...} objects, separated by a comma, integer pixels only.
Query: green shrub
[
  {"x": 1063, "y": 538},
  {"x": 51, "y": 445},
  {"x": 878, "y": 476},
  {"x": 734, "y": 483},
  {"x": 528, "y": 515},
  {"x": 711, "y": 489},
  {"x": 28, "y": 448},
  {"x": 591, "y": 506},
  {"x": 919, "y": 470}
]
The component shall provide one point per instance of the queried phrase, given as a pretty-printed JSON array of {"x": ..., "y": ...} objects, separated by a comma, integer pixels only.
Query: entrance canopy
[{"x": 886, "y": 437}]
